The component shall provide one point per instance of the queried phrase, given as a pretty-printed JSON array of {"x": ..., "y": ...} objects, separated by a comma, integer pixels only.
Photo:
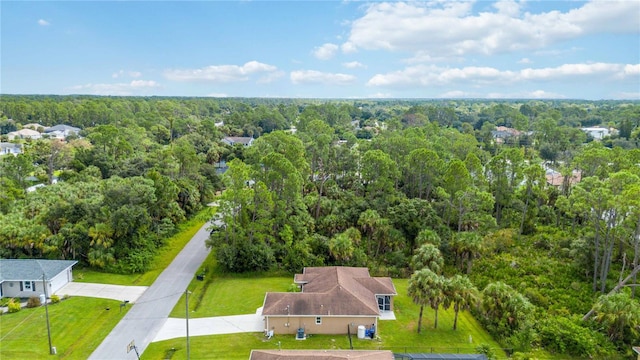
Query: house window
[
  {"x": 318, "y": 320},
  {"x": 29, "y": 285},
  {"x": 384, "y": 302}
]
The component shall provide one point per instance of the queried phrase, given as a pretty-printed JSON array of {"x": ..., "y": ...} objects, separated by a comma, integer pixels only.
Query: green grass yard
[{"x": 78, "y": 326}]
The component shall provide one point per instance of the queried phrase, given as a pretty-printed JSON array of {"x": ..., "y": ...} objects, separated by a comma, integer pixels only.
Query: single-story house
[
  {"x": 636, "y": 349},
  {"x": 61, "y": 131},
  {"x": 24, "y": 134},
  {"x": 10, "y": 148},
  {"x": 333, "y": 300},
  {"x": 34, "y": 126},
  {"x": 243, "y": 140},
  {"x": 24, "y": 277},
  {"x": 320, "y": 354},
  {"x": 596, "y": 132},
  {"x": 556, "y": 179}
]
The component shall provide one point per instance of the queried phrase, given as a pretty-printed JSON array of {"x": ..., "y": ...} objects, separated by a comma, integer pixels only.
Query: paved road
[{"x": 150, "y": 312}]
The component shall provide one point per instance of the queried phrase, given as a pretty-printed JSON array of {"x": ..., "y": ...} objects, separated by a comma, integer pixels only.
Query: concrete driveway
[
  {"x": 177, "y": 328},
  {"x": 104, "y": 291}
]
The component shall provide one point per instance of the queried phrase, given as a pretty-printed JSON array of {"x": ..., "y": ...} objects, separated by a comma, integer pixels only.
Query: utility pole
[
  {"x": 186, "y": 297},
  {"x": 46, "y": 310}
]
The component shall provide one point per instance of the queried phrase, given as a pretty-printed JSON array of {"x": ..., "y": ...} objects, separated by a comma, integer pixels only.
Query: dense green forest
[{"x": 529, "y": 230}]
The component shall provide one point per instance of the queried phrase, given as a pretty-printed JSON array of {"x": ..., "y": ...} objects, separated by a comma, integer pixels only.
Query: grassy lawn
[
  {"x": 218, "y": 294},
  {"x": 78, "y": 326},
  {"x": 401, "y": 335},
  {"x": 162, "y": 259}
]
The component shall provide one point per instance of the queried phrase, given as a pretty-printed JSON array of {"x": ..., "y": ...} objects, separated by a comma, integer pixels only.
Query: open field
[{"x": 78, "y": 325}]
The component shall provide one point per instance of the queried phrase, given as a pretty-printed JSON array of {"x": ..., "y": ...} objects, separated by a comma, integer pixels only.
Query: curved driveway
[{"x": 150, "y": 312}]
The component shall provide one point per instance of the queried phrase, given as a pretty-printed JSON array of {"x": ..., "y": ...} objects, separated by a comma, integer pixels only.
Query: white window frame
[
  {"x": 28, "y": 286},
  {"x": 318, "y": 320}
]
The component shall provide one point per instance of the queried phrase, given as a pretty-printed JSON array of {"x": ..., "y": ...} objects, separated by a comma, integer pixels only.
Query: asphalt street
[{"x": 145, "y": 318}]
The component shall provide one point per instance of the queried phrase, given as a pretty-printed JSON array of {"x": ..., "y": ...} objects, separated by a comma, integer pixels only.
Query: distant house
[
  {"x": 10, "y": 148},
  {"x": 321, "y": 354},
  {"x": 232, "y": 140},
  {"x": 556, "y": 179},
  {"x": 333, "y": 300},
  {"x": 24, "y": 134},
  {"x": 636, "y": 349},
  {"x": 501, "y": 133},
  {"x": 596, "y": 132},
  {"x": 34, "y": 126},
  {"x": 23, "y": 277},
  {"x": 61, "y": 131}
]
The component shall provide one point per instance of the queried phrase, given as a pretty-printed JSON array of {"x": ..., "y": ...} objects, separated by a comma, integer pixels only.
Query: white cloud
[
  {"x": 524, "y": 61},
  {"x": 537, "y": 94},
  {"x": 380, "y": 96},
  {"x": 132, "y": 88},
  {"x": 627, "y": 95},
  {"x": 43, "y": 22},
  {"x": 349, "y": 48},
  {"x": 270, "y": 77},
  {"x": 353, "y": 65},
  {"x": 313, "y": 76},
  {"x": 431, "y": 75},
  {"x": 220, "y": 73},
  {"x": 326, "y": 51},
  {"x": 122, "y": 73},
  {"x": 450, "y": 28},
  {"x": 455, "y": 94}
]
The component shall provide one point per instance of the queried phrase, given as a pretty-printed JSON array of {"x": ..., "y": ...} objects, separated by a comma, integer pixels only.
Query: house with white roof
[
  {"x": 61, "y": 131},
  {"x": 10, "y": 148},
  {"x": 24, "y": 134}
]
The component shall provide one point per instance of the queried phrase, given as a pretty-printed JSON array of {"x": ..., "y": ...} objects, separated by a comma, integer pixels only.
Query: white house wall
[
  {"x": 12, "y": 289},
  {"x": 60, "y": 280}
]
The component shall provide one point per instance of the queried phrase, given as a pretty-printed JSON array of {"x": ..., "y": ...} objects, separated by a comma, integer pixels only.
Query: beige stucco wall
[{"x": 330, "y": 324}]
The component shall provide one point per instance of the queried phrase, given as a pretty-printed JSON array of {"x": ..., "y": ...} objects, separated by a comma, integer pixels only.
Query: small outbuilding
[{"x": 23, "y": 278}]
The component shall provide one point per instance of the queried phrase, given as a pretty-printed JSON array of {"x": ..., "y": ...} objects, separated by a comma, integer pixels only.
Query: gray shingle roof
[
  {"x": 62, "y": 128},
  {"x": 31, "y": 269}
]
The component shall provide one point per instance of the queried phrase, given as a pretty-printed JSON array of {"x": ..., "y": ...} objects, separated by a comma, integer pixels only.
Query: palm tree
[
  {"x": 428, "y": 236},
  {"x": 436, "y": 294},
  {"x": 467, "y": 246},
  {"x": 459, "y": 292},
  {"x": 618, "y": 312},
  {"x": 426, "y": 288},
  {"x": 428, "y": 256},
  {"x": 341, "y": 247},
  {"x": 417, "y": 290},
  {"x": 504, "y": 309},
  {"x": 370, "y": 222}
]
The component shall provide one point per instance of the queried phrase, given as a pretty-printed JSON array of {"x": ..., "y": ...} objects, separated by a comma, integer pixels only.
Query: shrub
[
  {"x": 13, "y": 306},
  {"x": 5, "y": 301},
  {"x": 65, "y": 296},
  {"x": 33, "y": 302},
  {"x": 55, "y": 299}
]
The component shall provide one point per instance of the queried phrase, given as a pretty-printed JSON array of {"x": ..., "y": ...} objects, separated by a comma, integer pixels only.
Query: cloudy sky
[{"x": 323, "y": 49}]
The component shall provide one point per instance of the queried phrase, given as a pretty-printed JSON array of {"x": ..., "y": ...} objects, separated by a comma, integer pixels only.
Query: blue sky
[{"x": 323, "y": 49}]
